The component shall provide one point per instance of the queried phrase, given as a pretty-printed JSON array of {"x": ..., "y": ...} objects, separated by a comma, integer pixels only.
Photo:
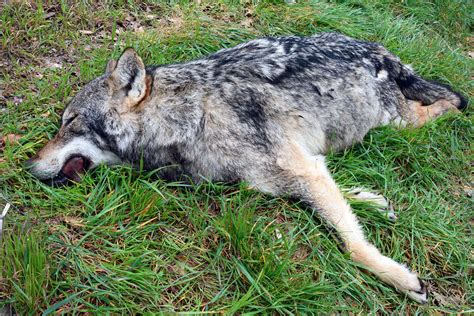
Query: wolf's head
[{"x": 96, "y": 123}]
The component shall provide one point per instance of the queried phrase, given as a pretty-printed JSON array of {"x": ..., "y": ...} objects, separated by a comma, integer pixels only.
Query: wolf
[{"x": 265, "y": 112}]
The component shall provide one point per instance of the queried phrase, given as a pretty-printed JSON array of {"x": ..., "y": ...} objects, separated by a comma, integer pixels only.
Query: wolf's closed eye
[{"x": 69, "y": 120}]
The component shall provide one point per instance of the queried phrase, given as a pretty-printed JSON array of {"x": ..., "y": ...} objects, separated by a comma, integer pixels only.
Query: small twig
[
  {"x": 2, "y": 216},
  {"x": 5, "y": 210}
]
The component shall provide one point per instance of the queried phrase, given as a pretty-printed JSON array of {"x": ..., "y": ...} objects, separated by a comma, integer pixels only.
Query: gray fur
[
  {"x": 218, "y": 115},
  {"x": 234, "y": 115}
]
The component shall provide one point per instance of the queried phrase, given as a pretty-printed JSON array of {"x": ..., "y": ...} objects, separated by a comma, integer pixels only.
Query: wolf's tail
[{"x": 416, "y": 88}]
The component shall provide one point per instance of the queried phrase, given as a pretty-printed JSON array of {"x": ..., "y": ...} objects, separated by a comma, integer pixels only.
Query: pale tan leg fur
[
  {"x": 311, "y": 175},
  {"x": 419, "y": 114}
]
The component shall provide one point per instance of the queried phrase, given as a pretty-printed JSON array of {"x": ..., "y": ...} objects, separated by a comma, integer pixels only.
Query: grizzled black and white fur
[{"x": 264, "y": 112}]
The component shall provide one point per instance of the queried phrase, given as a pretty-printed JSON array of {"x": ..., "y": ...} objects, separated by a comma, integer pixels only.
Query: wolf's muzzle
[{"x": 71, "y": 171}]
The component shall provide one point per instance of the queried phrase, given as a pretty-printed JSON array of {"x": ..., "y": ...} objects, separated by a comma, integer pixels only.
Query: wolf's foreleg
[
  {"x": 308, "y": 178},
  {"x": 379, "y": 201}
]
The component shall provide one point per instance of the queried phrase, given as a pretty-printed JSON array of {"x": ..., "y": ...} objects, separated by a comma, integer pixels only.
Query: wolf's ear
[
  {"x": 129, "y": 74},
  {"x": 110, "y": 66}
]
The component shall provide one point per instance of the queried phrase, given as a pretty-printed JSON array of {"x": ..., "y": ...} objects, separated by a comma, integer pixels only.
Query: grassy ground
[{"x": 124, "y": 242}]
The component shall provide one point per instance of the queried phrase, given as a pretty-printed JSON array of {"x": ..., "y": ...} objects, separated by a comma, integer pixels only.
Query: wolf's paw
[
  {"x": 381, "y": 203},
  {"x": 419, "y": 295},
  {"x": 414, "y": 288},
  {"x": 408, "y": 283}
]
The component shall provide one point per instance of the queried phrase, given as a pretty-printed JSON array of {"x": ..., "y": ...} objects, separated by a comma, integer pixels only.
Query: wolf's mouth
[{"x": 71, "y": 171}]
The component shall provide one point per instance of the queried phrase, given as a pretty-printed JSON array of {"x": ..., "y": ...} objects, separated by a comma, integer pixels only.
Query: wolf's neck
[{"x": 170, "y": 120}]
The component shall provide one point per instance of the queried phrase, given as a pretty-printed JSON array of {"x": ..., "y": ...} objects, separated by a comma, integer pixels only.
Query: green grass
[{"x": 124, "y": 242}]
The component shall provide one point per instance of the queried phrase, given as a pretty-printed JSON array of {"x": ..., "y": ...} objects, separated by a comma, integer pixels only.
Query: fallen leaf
[
  {"x": 176, "y": 21},
  {"x": 52, "y": 64},
  {"x": 444, "y": 300},
  {"x": 49, "y": 15},
  {"x": 248, "y": 22},
  {"x": 10, "y": 139},
  {"x": 86, "y": 32},
  {"x": 73, "y": 221}
]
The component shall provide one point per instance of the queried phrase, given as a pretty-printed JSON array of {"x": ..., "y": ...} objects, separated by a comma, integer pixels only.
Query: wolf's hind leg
[
  {"x": 418, "y": 114},
  {"x": 306, "y": 177}
]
